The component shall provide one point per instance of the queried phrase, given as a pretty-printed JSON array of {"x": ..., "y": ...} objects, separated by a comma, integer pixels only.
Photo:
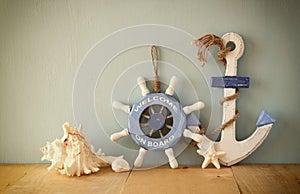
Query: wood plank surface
[
  {"x": 10, "y": 174},
  {"x": 267, "y": 178},
  {"x": 39, "y": 180},
  {"x": 34, "y": 178},
  {"x": 182, "y": 180}
]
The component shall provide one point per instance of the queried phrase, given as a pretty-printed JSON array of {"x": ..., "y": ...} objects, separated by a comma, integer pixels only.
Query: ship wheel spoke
[
  {"x": 168, "y": 126},
  {"x": 160, "y": 133},
  {"x": 162, "y": 110},
  {"x": 144, "y": 125},
  {"x": 146, "y": 116},
  {"x": 151, "y": 110},
  {"x": 169, "y": 116},
  {"x": 151, "y": 133}
]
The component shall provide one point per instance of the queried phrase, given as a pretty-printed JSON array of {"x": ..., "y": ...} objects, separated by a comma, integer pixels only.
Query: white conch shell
[{"x": 72, "y": 155}]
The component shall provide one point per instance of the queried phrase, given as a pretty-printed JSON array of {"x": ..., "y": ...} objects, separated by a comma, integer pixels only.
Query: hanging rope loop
[{"x": 154, "y": 59}]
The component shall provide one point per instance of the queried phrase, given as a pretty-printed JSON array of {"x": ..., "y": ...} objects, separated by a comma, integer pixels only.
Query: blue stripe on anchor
[{"x": 230, "y": 82}]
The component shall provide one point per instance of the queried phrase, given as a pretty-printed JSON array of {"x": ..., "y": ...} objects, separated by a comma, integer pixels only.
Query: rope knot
[{"x": 203, "y": 44}]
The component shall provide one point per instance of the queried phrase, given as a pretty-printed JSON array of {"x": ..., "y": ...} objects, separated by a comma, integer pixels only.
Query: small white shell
[{"x": 120, "y": 165}]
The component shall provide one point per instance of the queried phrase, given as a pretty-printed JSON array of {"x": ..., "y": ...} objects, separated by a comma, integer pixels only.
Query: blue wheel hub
[{"x": 156, "y": 121}]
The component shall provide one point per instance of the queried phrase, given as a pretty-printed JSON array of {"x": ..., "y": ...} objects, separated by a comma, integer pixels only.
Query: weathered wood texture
[
  {"x": 34, "y": 178},
  {"x": 184, "y": 180},
  {"x": 267, "y": 178}
]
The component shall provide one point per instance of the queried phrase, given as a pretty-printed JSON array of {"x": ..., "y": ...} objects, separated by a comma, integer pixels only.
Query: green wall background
[{"x": 43, "y": 42}]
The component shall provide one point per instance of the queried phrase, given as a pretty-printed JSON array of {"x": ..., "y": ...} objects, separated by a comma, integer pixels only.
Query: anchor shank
[
  {"x": 231, "y": 67},
  {"x": 228, "y": 134}
]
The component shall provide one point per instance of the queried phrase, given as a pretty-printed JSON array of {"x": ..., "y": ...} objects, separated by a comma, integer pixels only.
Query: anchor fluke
[{"x": 239, "y": 150}]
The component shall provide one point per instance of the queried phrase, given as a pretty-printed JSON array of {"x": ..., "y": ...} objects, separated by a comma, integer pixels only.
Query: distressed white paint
[
  {"x": 173, "y": 82},
  {"x": 119, "y": 135},
  {"x": 194, "y": 107},
  {"x": 236, "y": 150},
  {"x": 120, "y": 106},
  {"x": 140, "y": 158},
  {"x": 172, "y": 160},
  {"x": 192, "y": 135},
  {"x": 142, "y": 83}
]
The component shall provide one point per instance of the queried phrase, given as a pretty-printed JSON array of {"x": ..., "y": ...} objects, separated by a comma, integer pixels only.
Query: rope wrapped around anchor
[{"x": 203, "y": 44}]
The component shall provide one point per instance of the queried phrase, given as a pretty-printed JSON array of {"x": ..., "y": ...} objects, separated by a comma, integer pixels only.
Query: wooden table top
[{"x": 263, "y": 178}]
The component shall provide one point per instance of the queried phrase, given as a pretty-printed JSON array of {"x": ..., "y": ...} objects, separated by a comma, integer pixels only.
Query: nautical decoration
[
  {"x": 230, "y": 82},
  {"x": 208, "y": 151},
  {"x": 72, "y": 155},
  {"x": 158, "y": 121},
  {"x": 235, "y": 150}
]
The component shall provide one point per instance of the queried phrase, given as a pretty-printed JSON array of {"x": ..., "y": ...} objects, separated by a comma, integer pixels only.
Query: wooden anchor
[{"x": 237, "y": 150}]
